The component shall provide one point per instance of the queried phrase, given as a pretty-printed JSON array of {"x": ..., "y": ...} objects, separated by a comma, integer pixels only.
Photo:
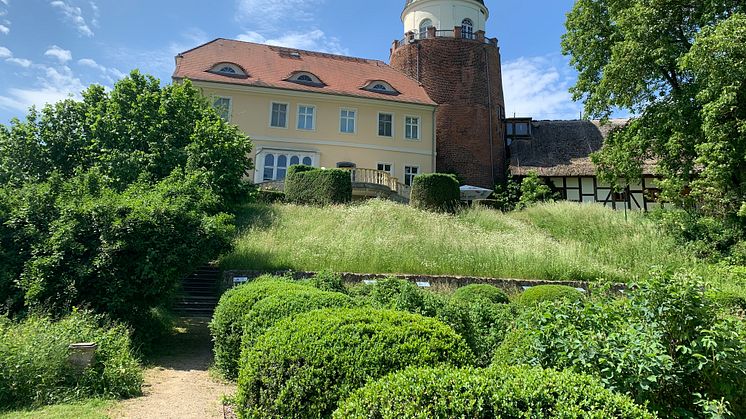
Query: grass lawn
[
  {"x": 89, "y": 409},
  {"x": 557, "y": 241}
]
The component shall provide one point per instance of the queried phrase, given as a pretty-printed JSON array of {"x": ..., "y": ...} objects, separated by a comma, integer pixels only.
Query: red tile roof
[{"x": 269, "y": 66}]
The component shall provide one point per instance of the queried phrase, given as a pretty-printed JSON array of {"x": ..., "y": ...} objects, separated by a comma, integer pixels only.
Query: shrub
[
  {"x": 228, "y": 320},
  {"x": 667, "y": 344},
  {"x": 305, "y": 365},
  {"x": 328, "y": 281},
  {"x": 268, "y": 311},
  {"x": 514, "y": 392},
  {"x": 270, "y": 197},
  {"x": 483, "y": 326},
  {"x": 34, "y": 367},
  {"x": 435, "y": 192},
  {"x": 533, "y": 190},
  {"x": 309, "y": 185},
  {"x": 481, "y": 292},
  {"x": 541, "y": 293},
  {"x": 120, "y": 253}
]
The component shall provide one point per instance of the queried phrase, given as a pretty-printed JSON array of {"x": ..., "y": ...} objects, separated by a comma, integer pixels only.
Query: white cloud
[
  {"x": 5, "y": 53},
  {"x": 62, "y": 55},
  {"x": 269, "y": 12},
  {"x": 315, "y": 40},
  {"x": 73, "y": 14},
  {"x": 4, "y": 30},
  {"x": 20, "y": 61},
  {"x": 54, "y": 85},
  {"x": 112, "y": 74},
  {"x": 539, "y": 87},
  {"x": 5, "y": 2}
]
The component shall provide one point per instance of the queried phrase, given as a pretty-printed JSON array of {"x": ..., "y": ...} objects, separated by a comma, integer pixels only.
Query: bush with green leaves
[
  {"x": 118, "y": 253},
  {"x": 435, "y": 192},
  {"x": 275, "y": 307},
  {"x": 710, "y": 238},
  {"x": 483, "y": 326},
  {"x": 666, "y": 344},
  {"x": 510, "y": 392},
  {"x": 541, "y": 293},
  {"x": 328, "y": 281},
  {"x": 227, "y": 325},
  {"x": 475, "y": 293},
  {"x": 306, "y": 364},
  {"x": 534, "y": 190},
  {"x": 34, "y": 367},
  {"x": 308, "y": 185}
]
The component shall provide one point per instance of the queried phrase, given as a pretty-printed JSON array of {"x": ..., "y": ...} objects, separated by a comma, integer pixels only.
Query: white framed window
[
  {"x": 409, "y": 174},
  {"x": 304, "y": 77},
  {"x": 467, "y": 29},
  {"x": 412, "y": 127},
  {"x": 278, "y": 115},
  {"x": 275, "y": 164},
  {"x": 306, "y": 117},
  {"x": 423, "y": 27},
  {"x": 380, "y": 86},
  {"x": 347, "y": 120},
  {"x": 228, "y": 69},
  {"x": 385, "y": 167},
  {"x": 223, "y": 106},
  {"x": 385, "y": 124}
]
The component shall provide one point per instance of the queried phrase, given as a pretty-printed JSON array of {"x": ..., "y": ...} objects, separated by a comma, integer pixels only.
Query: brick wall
[{"x": 454, "y": 72}]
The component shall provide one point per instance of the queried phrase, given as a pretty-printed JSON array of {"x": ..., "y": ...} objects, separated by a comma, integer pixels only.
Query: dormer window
[
  {"x": 380, "y": 86},
  {"x": 304, "y": 77},
  {"x": 228, "y": 69}
]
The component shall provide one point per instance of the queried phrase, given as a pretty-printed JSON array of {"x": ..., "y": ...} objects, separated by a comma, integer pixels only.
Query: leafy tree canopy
[
  {"x": 138, "y": 131},
  {"x": 681, "y": 67}
]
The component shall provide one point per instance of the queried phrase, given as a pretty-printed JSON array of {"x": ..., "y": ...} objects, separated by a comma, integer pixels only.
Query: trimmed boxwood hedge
[
  {"x": 306, "y": 364},
  {"x": 481, "y": 292},
  {"x": 265, "y": 313},
  {"x": 228, "y": 320},
  {"x": 435, "y": 192},
  {"x": 312, "y": 186},
  {"x": 511, "y": 392},
  {"x": 541, "y": 293}
]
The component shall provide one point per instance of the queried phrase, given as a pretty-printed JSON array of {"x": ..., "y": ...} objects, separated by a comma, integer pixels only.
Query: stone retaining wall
[{"x": 435, "y": 281}]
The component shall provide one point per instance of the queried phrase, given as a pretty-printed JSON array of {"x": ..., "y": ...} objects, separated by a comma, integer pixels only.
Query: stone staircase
[{"x": 199, "y": 293}]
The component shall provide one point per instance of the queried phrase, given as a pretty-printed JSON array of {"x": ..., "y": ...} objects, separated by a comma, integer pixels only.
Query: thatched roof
[{"x": 561, "y": 148}]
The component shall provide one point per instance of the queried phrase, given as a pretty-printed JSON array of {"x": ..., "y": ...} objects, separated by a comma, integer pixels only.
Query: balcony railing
[
  {"x": 358, "y": 176},
  {"x": 455, "y": 33}
]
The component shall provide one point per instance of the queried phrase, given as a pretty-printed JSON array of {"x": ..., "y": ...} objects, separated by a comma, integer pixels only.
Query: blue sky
[{"x": 51, "y": 49}]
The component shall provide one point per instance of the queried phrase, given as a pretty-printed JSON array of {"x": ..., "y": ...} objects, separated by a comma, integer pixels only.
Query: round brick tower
[{"x": 445, "y": 49}]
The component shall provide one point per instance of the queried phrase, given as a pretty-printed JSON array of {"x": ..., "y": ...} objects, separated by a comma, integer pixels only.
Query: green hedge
[
  {"x": 514, "y": 392},
  {"x": 305, "y": 365},
  {"x": 228, "y": 320},
  {"x": 312, "y": 186},
  {"x": 435, "y": 192},
  {"x": 265, "y": 313},
  {"x": 34, "y": 366},
  {"x": 541, "y": 293},
  {"x": 481, "y": 292}
]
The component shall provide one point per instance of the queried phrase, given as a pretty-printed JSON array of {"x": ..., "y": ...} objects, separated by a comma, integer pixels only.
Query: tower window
[
  {"x": 423, "y": 27},
  {"x": 467, "y": 29}
]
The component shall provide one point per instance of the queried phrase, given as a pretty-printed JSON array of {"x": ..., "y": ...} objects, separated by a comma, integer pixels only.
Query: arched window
[
  {"x": 423, "y": 27},
  {"x": 467, "y": 29},
  {"x": 307, "y": 161},
  {"x": 305, "y": 77},
  {"x": 269, "y": 167},
  {"x": 228, "y": 69},
  {"x": 282, "y": 165},
  {"x": 294, "y": 160}
]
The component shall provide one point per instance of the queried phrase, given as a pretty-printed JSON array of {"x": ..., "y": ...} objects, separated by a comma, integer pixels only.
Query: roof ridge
[{"x": 321, "y": 53}]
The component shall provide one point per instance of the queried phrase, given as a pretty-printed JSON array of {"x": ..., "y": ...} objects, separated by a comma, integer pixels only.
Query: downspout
[
  {"x": 434, "y": 149},
  {"x": 489, "y": 106}
]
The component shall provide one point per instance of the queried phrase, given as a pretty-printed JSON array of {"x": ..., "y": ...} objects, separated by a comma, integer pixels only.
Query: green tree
[{"x": 657, "y": 58}]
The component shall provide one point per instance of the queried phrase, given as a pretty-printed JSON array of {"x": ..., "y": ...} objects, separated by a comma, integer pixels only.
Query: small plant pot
[{"x": 81, "y": 355}]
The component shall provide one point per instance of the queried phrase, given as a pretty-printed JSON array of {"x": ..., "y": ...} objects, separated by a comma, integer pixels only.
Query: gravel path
[{"x": 178, "y": 384}]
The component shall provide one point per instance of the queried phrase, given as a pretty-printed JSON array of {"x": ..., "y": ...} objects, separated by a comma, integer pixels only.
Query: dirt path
[{"x": 178, "y": 385}]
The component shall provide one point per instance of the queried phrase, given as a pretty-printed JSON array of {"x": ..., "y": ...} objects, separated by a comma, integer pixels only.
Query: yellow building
[{"x": 318, "y": 109}]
